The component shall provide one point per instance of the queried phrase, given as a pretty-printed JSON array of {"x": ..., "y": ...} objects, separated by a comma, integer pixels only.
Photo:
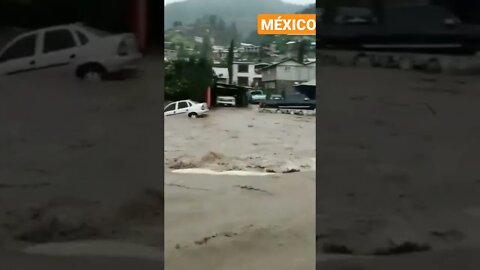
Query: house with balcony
[{"x": 247, "y": 74}]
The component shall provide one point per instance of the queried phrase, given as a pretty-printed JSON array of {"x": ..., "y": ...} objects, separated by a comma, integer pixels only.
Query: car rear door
[
  {"x": 19, "y": 56},
  {"x": 59, "y": 49},
  {"x": 170, "y": 109}
]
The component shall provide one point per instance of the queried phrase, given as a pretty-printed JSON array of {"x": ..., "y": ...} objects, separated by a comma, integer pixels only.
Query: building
[
  {"x": 249, "y": 48},
  {"x": 270, "y": 49},
  {"x": 281, "y": 77},
  {"x": 221, "y": 74},
  {"x": 221, "y": 52},
  {"x": 198, "y": 39},
  {"x": 246, "y": 74}
]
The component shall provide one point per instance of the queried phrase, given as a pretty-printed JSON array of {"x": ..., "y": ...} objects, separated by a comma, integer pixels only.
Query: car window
[
  {"x": 257, "y": 93},
  {"x": 170, "y": 107},
  {"x": 82, "y": 37},
  {"x": 190, "y": 104},
  {"x": 57, "y": 40},
  {"x": 24, "y": 47},
  {"x": 182, "y": 105}
]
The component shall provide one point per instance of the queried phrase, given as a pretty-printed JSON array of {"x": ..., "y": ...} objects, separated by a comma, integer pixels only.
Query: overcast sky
[{"x": 289, "y": 1}]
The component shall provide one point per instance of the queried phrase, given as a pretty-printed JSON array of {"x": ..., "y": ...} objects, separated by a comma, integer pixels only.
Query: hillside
[
  {"x": 310, "y": 9},
  {"x": 243, "y": 13}
]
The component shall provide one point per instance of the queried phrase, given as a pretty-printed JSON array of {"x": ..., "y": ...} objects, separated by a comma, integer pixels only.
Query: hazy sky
[{"x": 289, "y": 1}]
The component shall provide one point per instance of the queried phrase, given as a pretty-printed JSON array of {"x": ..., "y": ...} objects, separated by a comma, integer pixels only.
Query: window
[
  {"x": 243, "y": 68},
  {"x": 170, "y": 107},
  {"x": 24, "y": 47},
  {"x": 182, "y": 105},
  {"x": 82, "y": 37},
  {"x": 57, "y": 40},
  {"x": 243, "y": 81}
]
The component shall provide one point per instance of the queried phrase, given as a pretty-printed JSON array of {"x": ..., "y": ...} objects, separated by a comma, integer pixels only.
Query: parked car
[
  {"x": 290, "y": 102},
  {"x": 276, "y": 97},
  {"x": 255, "y": 96},
  {"x": 226, "y": 100},
  {"x": 188, "y": 107},
  {"x": 84, "y": 51}
]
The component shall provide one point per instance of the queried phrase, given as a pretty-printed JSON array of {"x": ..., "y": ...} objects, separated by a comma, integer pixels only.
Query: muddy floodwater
[
  {"x": 246, "y": 197},
  {"x": 241, "y": 139}
]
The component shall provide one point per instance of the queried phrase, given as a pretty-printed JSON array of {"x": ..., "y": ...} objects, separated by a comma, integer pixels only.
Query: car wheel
[
  {"x": 193, "y": 115},
  {"x": 91, "y": 72}
]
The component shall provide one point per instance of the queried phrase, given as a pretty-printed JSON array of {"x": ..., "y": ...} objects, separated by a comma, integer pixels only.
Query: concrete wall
[
  {"x": 292, "y": 72},
  {"x": 312, "y": 71},
  {"x": 281, "y": 87},
  {"x": 269, "y": 74}
]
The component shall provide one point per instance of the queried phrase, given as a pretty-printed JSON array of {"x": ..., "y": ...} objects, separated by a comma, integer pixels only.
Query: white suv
[
  {"x": 188, "y": 107},
  {"x": 88, "y": 52}
]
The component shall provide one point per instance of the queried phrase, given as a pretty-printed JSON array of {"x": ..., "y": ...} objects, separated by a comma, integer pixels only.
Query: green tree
[
  {"x": 230, "y": 58},
  {"x": 177, "y": 24},
  {"x": 206, "y": 52},
  {"x": 188, "y": 79},
  {"x": 181, "y": 53}
]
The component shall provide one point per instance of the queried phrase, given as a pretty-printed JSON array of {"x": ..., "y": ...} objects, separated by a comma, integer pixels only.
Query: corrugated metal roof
[{"x": 310, "y": 83}]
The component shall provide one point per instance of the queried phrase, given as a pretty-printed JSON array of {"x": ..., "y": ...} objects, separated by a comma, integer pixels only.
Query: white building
[
  {"x": 221, "y": 74},
  {"x": 246, "y": 74},
  {"x": 200, "y": 39},
  {"x": 249, "y": 48}
]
